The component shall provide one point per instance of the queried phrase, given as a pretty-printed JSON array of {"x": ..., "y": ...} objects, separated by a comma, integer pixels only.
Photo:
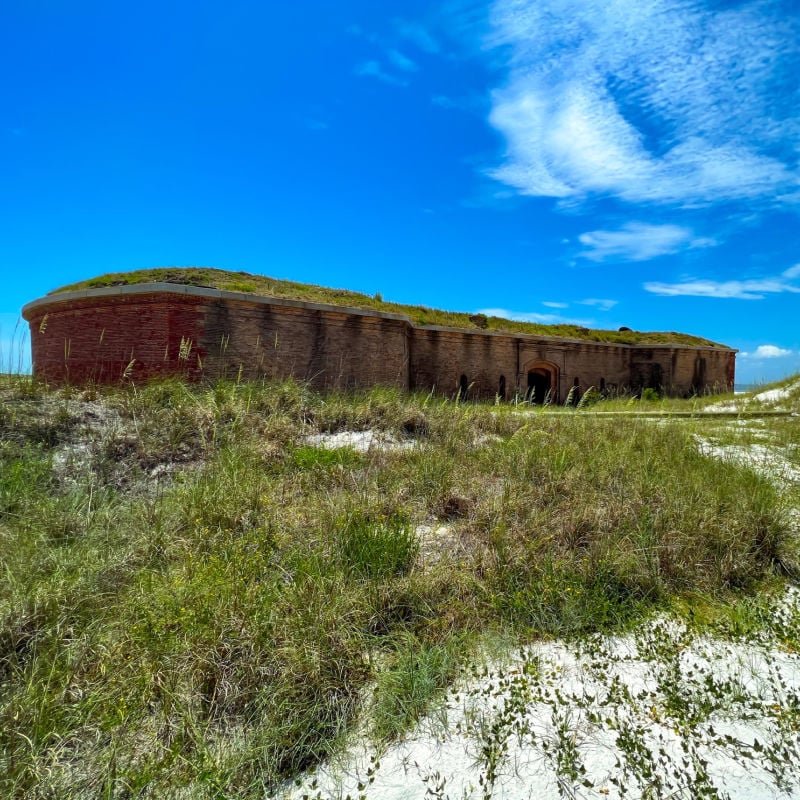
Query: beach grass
[{"x": 198, "y": 599}]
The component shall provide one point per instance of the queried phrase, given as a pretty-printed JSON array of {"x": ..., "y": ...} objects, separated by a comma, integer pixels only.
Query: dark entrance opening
[
  {"x": 699, "y": 378},
  {"x": 501, "y": 389},
  {"x": 538, "y": 386},
  {"x": 463, "y": 387},
  {"x": 656, "y": 377}
]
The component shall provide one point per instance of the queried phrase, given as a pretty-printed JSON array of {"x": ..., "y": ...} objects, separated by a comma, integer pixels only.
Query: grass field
[{"x": 199, "y": 598}]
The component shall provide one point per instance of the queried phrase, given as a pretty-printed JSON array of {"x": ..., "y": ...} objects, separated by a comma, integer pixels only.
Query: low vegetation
[
  {"x": 197, "y": 599},
  {"x": 272, "y": 287}
]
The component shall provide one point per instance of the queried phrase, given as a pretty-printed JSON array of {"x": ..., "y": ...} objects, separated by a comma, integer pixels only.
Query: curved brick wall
[{"x": 149, "y": 330}]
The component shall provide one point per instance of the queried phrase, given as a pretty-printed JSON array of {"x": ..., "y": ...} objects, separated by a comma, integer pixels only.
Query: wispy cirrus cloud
[
  {"x": 638, "y": 241},
  {"x": 752, "y": 289},
  {"x": 668, "y": 101},
  {"x": 767, "y": 351},
  {"x": 533, "y": 316},
  {"x": 419, "y": 35},
  {"x": 391, "y": 58},
  {"x": 374, "y": 69},
  {"x": 401, "y": 61},
  {"x": 473, "y": 104},
  {"x": 599, "y": 303}
]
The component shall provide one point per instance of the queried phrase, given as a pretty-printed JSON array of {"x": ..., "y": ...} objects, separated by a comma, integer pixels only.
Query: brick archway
[{"x": 540, "y": 381}]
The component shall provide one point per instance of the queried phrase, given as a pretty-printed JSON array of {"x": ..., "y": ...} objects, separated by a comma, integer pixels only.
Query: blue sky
[{"x": 628, "y": 163}]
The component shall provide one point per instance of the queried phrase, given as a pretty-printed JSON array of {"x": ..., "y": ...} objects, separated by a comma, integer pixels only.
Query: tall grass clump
[
  {"x": 376, "y": 548},
  {"x": 15, "y": 350},
  {"x": 197, "y": 599}
]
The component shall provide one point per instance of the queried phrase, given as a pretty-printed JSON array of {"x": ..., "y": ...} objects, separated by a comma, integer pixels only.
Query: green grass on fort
[{"x": 421, "y": 315}]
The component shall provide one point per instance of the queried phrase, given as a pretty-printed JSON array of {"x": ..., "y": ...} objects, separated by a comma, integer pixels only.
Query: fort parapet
[{"x": 148, "y": 330}]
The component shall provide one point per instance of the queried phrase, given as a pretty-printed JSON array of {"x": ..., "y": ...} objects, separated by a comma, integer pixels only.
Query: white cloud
[
  {"x": 418, "y": 35},
  {"x": 768, "y": 351},
  {"x": 357, "y": 30},
  {"x": 401, "y": 62},
  {"x": 595, "y": 302},
  {"x": 649, "y": 100},
  {"x": 753, "y": 289},
  {"x": 474, "y": 104},
  {"x": 637, "y": 241},
  {"x": 443, "y": 101},
  {"x": 533, "y": 316},
  {"x": 792, "y": 272},
  {"x": 552, "y": 304},
  {"x": 373, "y": 69}
]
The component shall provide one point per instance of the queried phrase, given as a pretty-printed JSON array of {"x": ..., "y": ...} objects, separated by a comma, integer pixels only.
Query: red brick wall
[
  {"x": 104, "y": 339},
  {"x": 328, "y": 348},
  {"x": 439, "y": 358},
  {"x": 141, "y": 333}
]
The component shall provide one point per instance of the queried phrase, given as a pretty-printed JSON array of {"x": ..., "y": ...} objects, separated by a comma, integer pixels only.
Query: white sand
[
  {"x": 769, "y": 461},
  {"x": 614, "y": 709},
  {"x": 769, "y": 397},
  {"x": 362, "y": 441}
]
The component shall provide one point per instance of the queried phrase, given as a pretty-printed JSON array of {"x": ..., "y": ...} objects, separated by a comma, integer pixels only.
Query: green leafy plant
[{"x": 376, "y": 547}]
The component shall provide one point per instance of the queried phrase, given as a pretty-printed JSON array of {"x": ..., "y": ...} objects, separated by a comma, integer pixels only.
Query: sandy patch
[
  {"x": 660, "y": 712},
  {"x": 362, "y": 441},
  {"x": 769, "y": 397},
  {"x": 772, "y": 396},
  {"x": 769, "y": 461}
]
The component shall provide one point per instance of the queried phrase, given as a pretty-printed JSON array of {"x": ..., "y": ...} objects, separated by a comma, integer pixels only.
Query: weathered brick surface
[
  {"x": 328, "y": 348},
  {"x": 439, "y": 358},
  {"x": 102, "y": 340},
  {"x": 148, "y": 331}
]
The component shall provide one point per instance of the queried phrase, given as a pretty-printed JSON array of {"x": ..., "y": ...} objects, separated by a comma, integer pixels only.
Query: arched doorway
[{"x": 542, "y": 383}]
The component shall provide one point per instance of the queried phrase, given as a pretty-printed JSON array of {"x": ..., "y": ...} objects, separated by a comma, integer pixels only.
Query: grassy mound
[
  {"x": 272, "y": 287},
  {"x": 197, "y": 599}
]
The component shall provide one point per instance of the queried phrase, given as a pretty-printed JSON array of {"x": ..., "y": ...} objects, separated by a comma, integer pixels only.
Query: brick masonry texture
[{"x": 146, "y": 331}]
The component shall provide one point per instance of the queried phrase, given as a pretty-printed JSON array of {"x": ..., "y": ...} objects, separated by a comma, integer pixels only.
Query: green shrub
[
  {"x": 376, "y": 547},
  {"x": 307, "y": 457}
]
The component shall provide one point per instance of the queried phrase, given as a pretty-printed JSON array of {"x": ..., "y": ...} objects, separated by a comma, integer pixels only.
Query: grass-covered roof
[{"x": 421, "y": 315}]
